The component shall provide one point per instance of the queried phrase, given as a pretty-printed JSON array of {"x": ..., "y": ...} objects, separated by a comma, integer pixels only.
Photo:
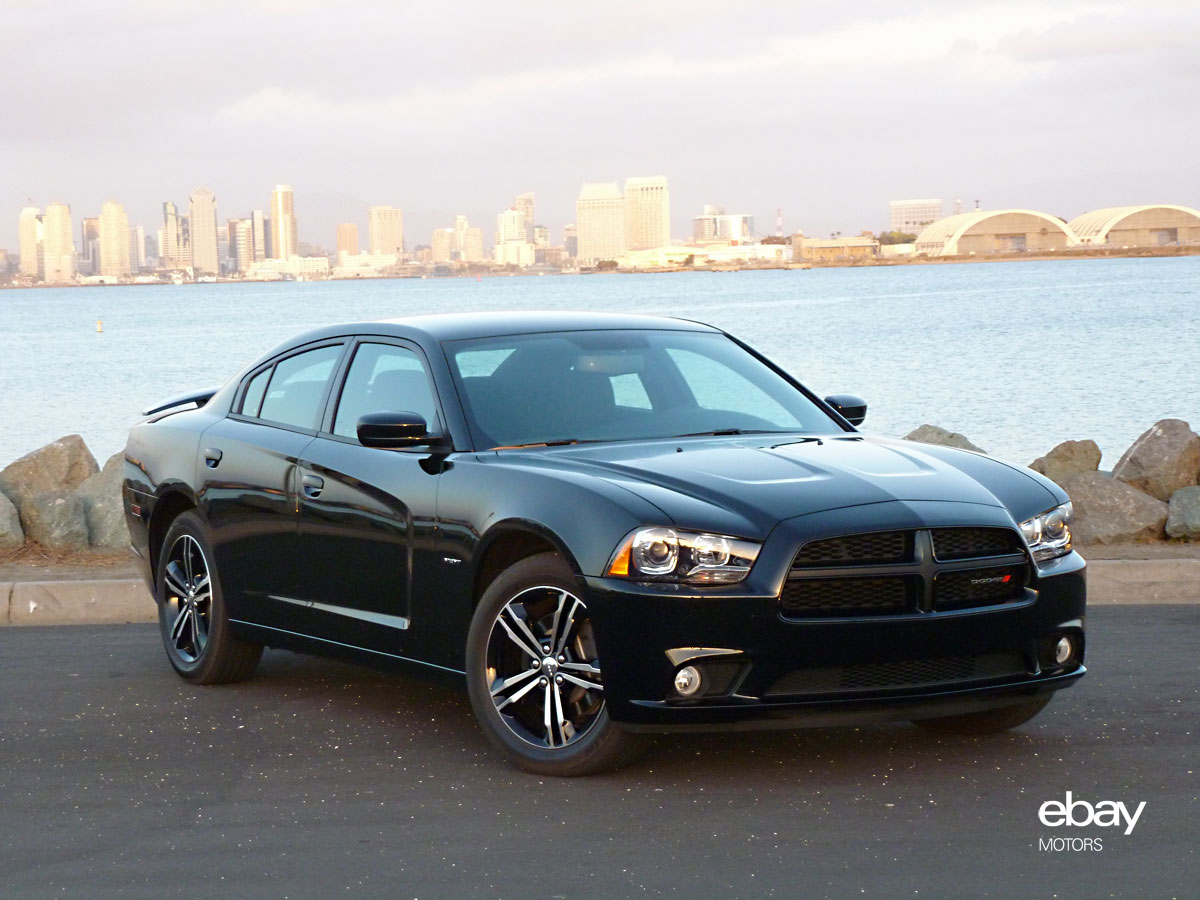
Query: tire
[
  {"x": 990, "y": 721},
  {"x": 191, "y": 610},
  {"x": 545, "y": 711}
]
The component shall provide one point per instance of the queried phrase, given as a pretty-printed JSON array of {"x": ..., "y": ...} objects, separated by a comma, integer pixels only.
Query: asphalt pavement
[{"x": 316, "y": 779}]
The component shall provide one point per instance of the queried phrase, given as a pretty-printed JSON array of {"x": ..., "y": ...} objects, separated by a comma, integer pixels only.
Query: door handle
[
  {"x": 312, "y": 486},
  {"x": 212, "y": 457}
]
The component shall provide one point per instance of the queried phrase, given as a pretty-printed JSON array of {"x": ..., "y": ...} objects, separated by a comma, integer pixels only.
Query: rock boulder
[
  {"x": 103, "y": 508},
  {"x": 11, "y": 534},
  {"x": 1163, "y": 460},
  {"x": 1068, "y": 458},
  {"x": 56, "y": 521},
  {"x": 1183, "y": 514},
  {"x": 57, "y": 468},
  {"x": 932, "y": 434},
  {"x": 1109, "y": 511}
]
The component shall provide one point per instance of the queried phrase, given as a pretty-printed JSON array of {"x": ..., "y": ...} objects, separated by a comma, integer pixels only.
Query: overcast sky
[{"x": 825, "y": 110}]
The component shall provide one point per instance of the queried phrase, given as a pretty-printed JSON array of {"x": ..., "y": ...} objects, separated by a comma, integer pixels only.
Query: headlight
[
  {"x": 667, "y": 554},
  {"x": 1049, "y": 535}
]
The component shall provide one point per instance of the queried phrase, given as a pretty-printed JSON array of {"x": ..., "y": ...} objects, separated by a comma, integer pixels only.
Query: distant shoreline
[{"x": 723, "y": 268}]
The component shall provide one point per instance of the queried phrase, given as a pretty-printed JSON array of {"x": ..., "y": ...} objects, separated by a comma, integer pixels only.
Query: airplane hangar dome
[
  {"x": 995, "y": 231},
  {"x": 1138, "y": 226}
]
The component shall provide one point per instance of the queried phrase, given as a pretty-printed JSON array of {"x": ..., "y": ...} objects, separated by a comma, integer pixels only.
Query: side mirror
[
  {"x": 853, "y": 409},
  {"x": 394, "y": 430}
]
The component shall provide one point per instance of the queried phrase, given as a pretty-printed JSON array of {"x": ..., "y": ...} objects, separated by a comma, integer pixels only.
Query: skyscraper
[
  {"x": 347, "y": 238},
  {"x": 524, "y": 203},
  {"x": 441, "y": 245},
  {"x": 30, "y": 237},
  {"x": 647, "y": 213},
  {"x": 241, "y": 243},
  {"x": 600, "y": 219},
  {"x": 385, "y": 230},
  {"x": 202, "y": 206},
  {"x": 174, "y": 243},
  {"x": 89, "y": 248},
  {"x": 58, "y": 245},
  {"x": 137, "y": 248},
  {"x": 114, "y": 240},
  {"x": 284, "y": 241},
  {"x": 258, "y": 233}
]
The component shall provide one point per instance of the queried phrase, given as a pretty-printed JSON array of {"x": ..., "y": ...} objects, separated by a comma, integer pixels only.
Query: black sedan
[{"x": 606, "y": 525}]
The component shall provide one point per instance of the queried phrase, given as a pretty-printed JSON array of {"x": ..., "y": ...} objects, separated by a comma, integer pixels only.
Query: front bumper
[{"x": 776, "y": 671}]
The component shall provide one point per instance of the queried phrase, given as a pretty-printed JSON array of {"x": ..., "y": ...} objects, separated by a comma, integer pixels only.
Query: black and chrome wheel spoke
[{"x": 187, "y": 600}]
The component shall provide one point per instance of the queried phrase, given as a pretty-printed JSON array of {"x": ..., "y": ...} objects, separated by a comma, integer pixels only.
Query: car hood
[{"x": 764, "y": 481}]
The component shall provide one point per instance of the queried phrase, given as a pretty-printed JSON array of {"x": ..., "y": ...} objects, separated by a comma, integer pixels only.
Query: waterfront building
[
  {"x": 541, "y": 236},
  {"x": 512, "y": 247},
  {"x": 442, "y": 245},
  {"x": 571, "y": 240},
  {"x": 647, "y": 213},
  {"x": 137, "y": 248},
  {"x": 258, "y": 234},
  {"x": 514, "y": 253},
  {"x": 202, "y": 208},
  {"x": 524, "y": 203},
  {"x": 472, "y": 245},
  {"x": 114, "y": 240},
  {"x": 298, "y": 267},
  {"x": 174, "y": 239},
  {"x": 89, "y": 246},
  {"x": 910, "y": 216},
  {"x": 58, "y": 245},
  {"x": 1138, "y": 226},
  {"x": 715, "y": 226},
  {"x": 600, "y": 218},
  {"x": 385, "y": 230},
  {"x": 284, "y": 241},
  {"x": 807, "y": 249},
  {"x": 241, "y": 243},
  {"x": 30, "y": 242},
  {"x": 1000, "y": 231},
  {"x": 347, "y": 238}
]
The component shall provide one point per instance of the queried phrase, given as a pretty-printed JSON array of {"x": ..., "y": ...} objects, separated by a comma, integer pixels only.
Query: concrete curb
[
  {"x": 119, "y": 601},
  {"x": 101, "y": 602}
]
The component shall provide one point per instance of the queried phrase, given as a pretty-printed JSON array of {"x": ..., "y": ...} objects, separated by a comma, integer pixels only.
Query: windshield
[{"x": 621, "y": 385}]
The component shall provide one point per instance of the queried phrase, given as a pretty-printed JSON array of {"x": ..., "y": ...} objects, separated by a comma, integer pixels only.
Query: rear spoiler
[{"x": 197, "y": 397}]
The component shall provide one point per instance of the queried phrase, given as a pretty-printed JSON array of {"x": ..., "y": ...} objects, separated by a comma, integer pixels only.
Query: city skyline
[{"x": 1061, "y": 106}]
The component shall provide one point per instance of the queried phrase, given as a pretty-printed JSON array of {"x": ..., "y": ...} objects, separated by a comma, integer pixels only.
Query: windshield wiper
[
  {"x": 725, "y": 432},
  {"x": 563, "y": 443}
]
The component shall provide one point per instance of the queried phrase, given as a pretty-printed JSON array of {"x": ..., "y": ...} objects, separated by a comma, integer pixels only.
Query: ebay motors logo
[{"x": 1080, "y": 813}]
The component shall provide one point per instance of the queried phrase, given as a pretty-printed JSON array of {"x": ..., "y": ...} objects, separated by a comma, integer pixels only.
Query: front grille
[
  {"x": 971, "y": 543},
  {"x": 890, "y": 573},
  {"x": 878, "y": 548},
  {"x": 802, "y": 598},
  {"x": 978, "y": 587},
  {"x": 911, "y": 673}
]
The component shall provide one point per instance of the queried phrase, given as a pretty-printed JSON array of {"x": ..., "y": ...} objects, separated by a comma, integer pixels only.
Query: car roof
[{"x": 464, "y": 326}]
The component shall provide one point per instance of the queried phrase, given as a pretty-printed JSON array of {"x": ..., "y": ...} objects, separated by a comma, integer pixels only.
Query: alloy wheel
[{"x": 187, "y": 599}]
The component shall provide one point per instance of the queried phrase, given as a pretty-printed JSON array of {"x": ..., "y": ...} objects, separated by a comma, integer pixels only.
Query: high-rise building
[
  {"x": 600, "y": 218},
  {"x": 202, "y": 208},
  {"x": 571, "y": 240},
  {"x": 89, "y": 247},
  {"x": 347, "y": 238},
  {"x": 510, "y": 225},
  {"x": 442, "y": 245},
  {"x": 472, "y": 245},
  {"x": 524, "y": 203},
  {"x": 58, "y": 245},
  {"x": 385, "y": 230},
  {"x": 241, "y": 243},
  {"x": 114, "y": 240},
  {"x": 137, "y": 248},
  {"x": 541, "y": 236},
  {"x": 30, "y": 246},
  {"x": 647, "y": 213},
  {"x": 284, "y": 240},
  {"x": 258, "y": 233},
  {"x": 174, "y": 239},
  {"x": 911, "y": 216}
]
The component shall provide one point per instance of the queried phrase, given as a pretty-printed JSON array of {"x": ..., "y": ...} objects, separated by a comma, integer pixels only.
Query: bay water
[{"x": 1018, "y": 356}]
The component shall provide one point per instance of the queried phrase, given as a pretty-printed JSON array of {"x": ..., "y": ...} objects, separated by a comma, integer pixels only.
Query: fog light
[
  {"x": 687, "y": 681},
  {"x": 1064, "y": 650}
]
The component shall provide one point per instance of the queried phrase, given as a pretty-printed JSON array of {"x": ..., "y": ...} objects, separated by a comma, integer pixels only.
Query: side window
[
  {"x": 384, "y": 378},
  {"x": 252, "y": 401},
  {"x": 294, "y": 394},
  {"x": 716, "y": 386}
]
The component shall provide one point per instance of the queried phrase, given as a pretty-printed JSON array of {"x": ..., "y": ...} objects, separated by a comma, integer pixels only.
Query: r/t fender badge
[{"x": 451, "y": 561}]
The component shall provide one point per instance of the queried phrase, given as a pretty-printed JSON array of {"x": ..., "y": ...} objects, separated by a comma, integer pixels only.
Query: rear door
[{"x": 248, "y": 479}]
